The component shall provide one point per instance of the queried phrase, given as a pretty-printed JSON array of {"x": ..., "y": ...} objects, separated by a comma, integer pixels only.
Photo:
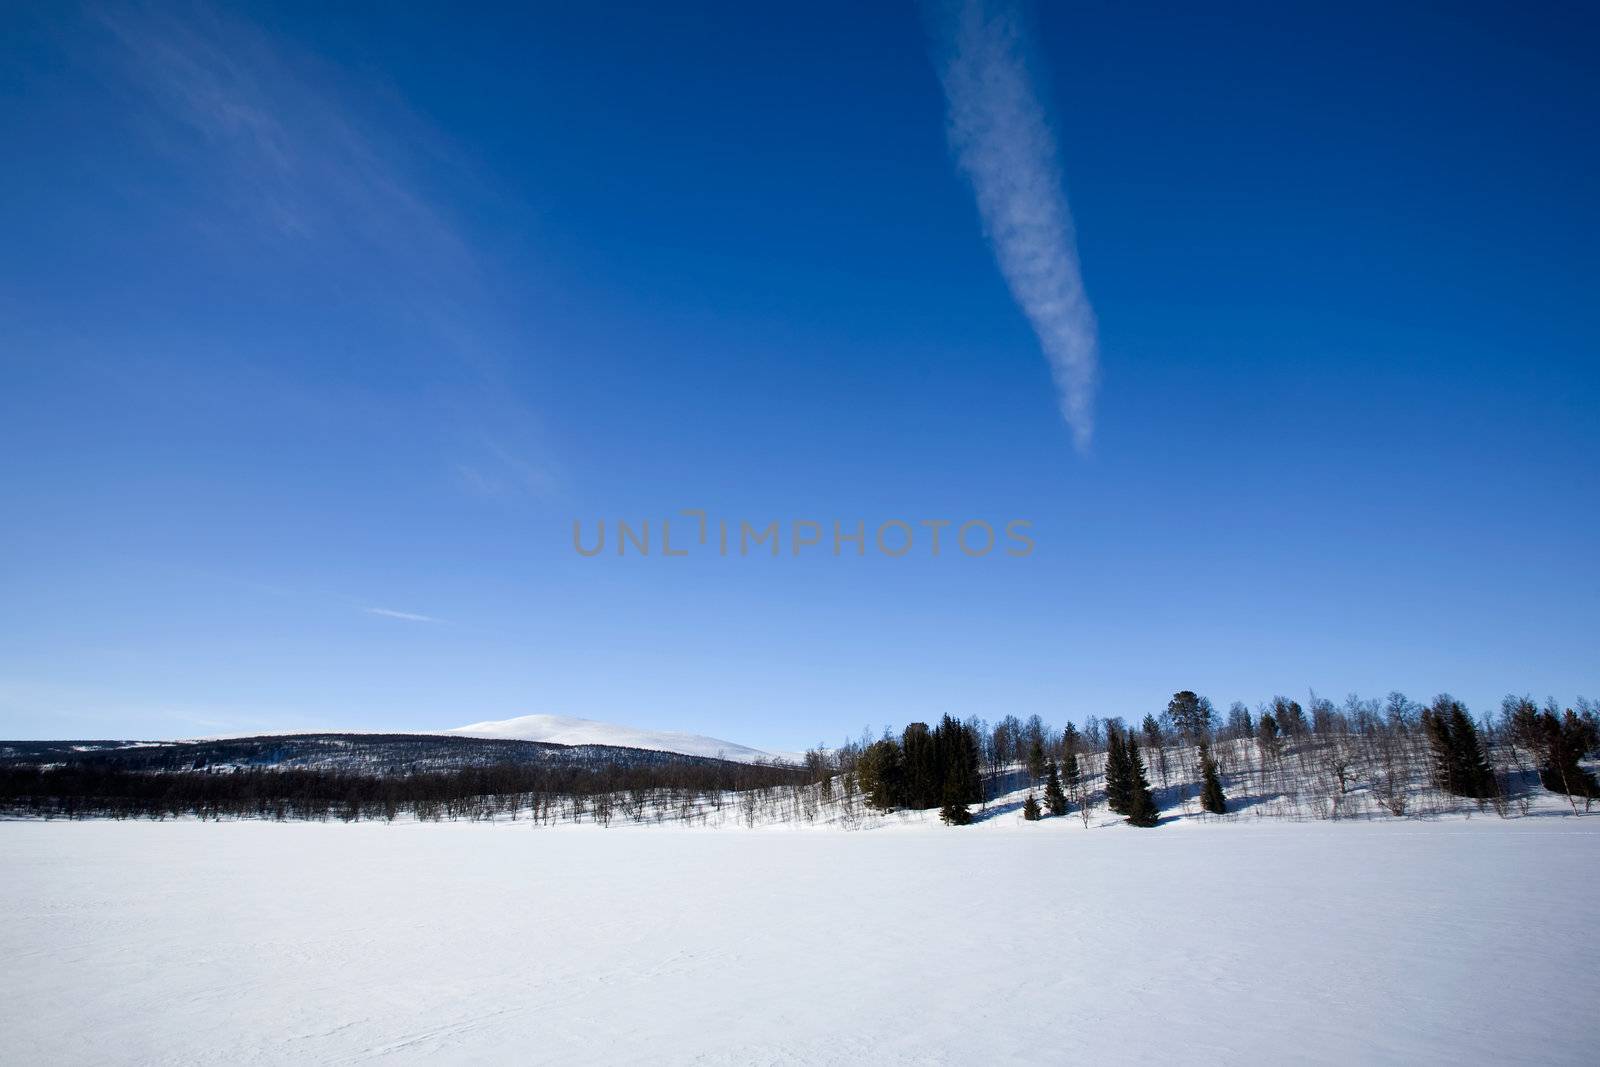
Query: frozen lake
[{"x": 1419, "y": 942}]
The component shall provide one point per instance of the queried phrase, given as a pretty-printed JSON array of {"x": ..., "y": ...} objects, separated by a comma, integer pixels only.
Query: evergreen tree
[
  {"x": 954, "y": 812},
  {"x": 1071, "y": 742},
  {"x": 1054, "y": 799},
  {"x": 923, "y": 769},
  {"x": 1560, "y": 743},
  {"x": 1460, "y": 766},
  {"x": 1191, "y": 715},
  {"x": 1290, "y": 716},
  {"x": 879, "y": 772},
  {"x": 1470, "y": 756},
  {"x": 1141, "y": 810},
  {"x": 922, "y": 774},
  {"x": 1240, "y": 724},
  {"x": 1152, "y": 731},
  {"x": 1071, "y": 773},
  {"x": 1118, "y": 785},
  {"x": 1155, "y": 741},
  {"x": 1036, "y": 759},
  {"x": 1211, "y": 798},
  {"x": 1030, "y": 809},
  {"x": 956, "y": 747},
  {"x": 1267, "y": 735}
]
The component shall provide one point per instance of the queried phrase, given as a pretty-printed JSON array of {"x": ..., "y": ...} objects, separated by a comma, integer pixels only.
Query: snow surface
[
  {"x": 1410, "y": 941},
  {"x": 566, "y": 730}
]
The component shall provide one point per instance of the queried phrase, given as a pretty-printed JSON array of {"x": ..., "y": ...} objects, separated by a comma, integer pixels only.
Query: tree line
[
  {"x": 1283, "y": 758},
  {"x": 107, "y": 788},
  {"x": 1389, "y": 757}
]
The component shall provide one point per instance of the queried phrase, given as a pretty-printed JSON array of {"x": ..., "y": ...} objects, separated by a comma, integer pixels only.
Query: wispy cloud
[
  {"x": 1002, "y": 142},
  {"x": 408, "y": 616},
  {"x": 332, "y": 171},
  {"x": 283, "y": 141}
]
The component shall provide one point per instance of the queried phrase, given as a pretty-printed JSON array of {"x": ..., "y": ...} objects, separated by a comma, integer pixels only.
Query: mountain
[{"x": 566, "y": 730}]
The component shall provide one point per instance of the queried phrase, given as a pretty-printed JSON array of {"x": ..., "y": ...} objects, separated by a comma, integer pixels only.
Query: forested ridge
[{"x": 369, "y": 753}]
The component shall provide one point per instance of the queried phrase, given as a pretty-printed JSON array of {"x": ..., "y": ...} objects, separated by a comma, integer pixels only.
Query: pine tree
[
  {"x": 1459, "y": 763},
  {"x": 954, "y": 812},
  {"x": 1191, "y": 715},
  {"x": 1290, "y": 717},
  {"x": 1142, "y": 810},
  {"x": 956, "y": 756},
  {"x": 880, "y": 772},
  {"x": 1118, "y": 795},
  {"x": 1030, "y": 809},
  {"x": 1155, "y": 742},
  {"x": 1036, "y": 759},
  {"x": 1054, "y": 799},
  {"x": 1268, "y": 738},
  {"x": 1469, "y": 753},
  {"x": 1560, "y": 743},
  {"x": 1071, "y": 774},
  {"x": 921, "y": 786},
  {"x": 1211, "y": 797}
]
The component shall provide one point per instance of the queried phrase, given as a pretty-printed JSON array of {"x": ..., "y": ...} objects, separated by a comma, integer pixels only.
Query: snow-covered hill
[{"x": 567, "y": 730}]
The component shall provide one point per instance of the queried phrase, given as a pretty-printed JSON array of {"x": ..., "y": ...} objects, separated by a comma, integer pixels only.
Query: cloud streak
[
  {"x": 327, "y": 170},
  {"x": 408, "y": 616},
  {"x": 285, "y": 145},
  {"x": 1004, "y": 146}
]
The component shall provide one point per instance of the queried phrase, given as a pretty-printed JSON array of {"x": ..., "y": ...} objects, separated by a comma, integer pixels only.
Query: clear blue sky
[{"x": 305, "y": 313}]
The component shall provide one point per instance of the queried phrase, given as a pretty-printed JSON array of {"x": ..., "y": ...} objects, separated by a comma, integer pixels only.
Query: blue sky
[{"x": 307, "y": 313}]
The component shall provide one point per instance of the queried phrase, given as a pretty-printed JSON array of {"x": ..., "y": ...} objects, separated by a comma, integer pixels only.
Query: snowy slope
[{"x": 567, "y": 730}]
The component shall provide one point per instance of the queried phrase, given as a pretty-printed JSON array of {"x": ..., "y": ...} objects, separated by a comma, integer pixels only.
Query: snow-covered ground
[
  {"x": 568, "y": 730},
  {"x": 1407, "y": 941}
]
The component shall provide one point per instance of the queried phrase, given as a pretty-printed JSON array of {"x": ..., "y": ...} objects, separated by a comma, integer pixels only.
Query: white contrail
[{"x": 1003, "y": 143}]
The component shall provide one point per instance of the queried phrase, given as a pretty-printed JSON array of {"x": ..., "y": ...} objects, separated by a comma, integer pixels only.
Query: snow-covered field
[{"x": 1454, "y": 941}]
